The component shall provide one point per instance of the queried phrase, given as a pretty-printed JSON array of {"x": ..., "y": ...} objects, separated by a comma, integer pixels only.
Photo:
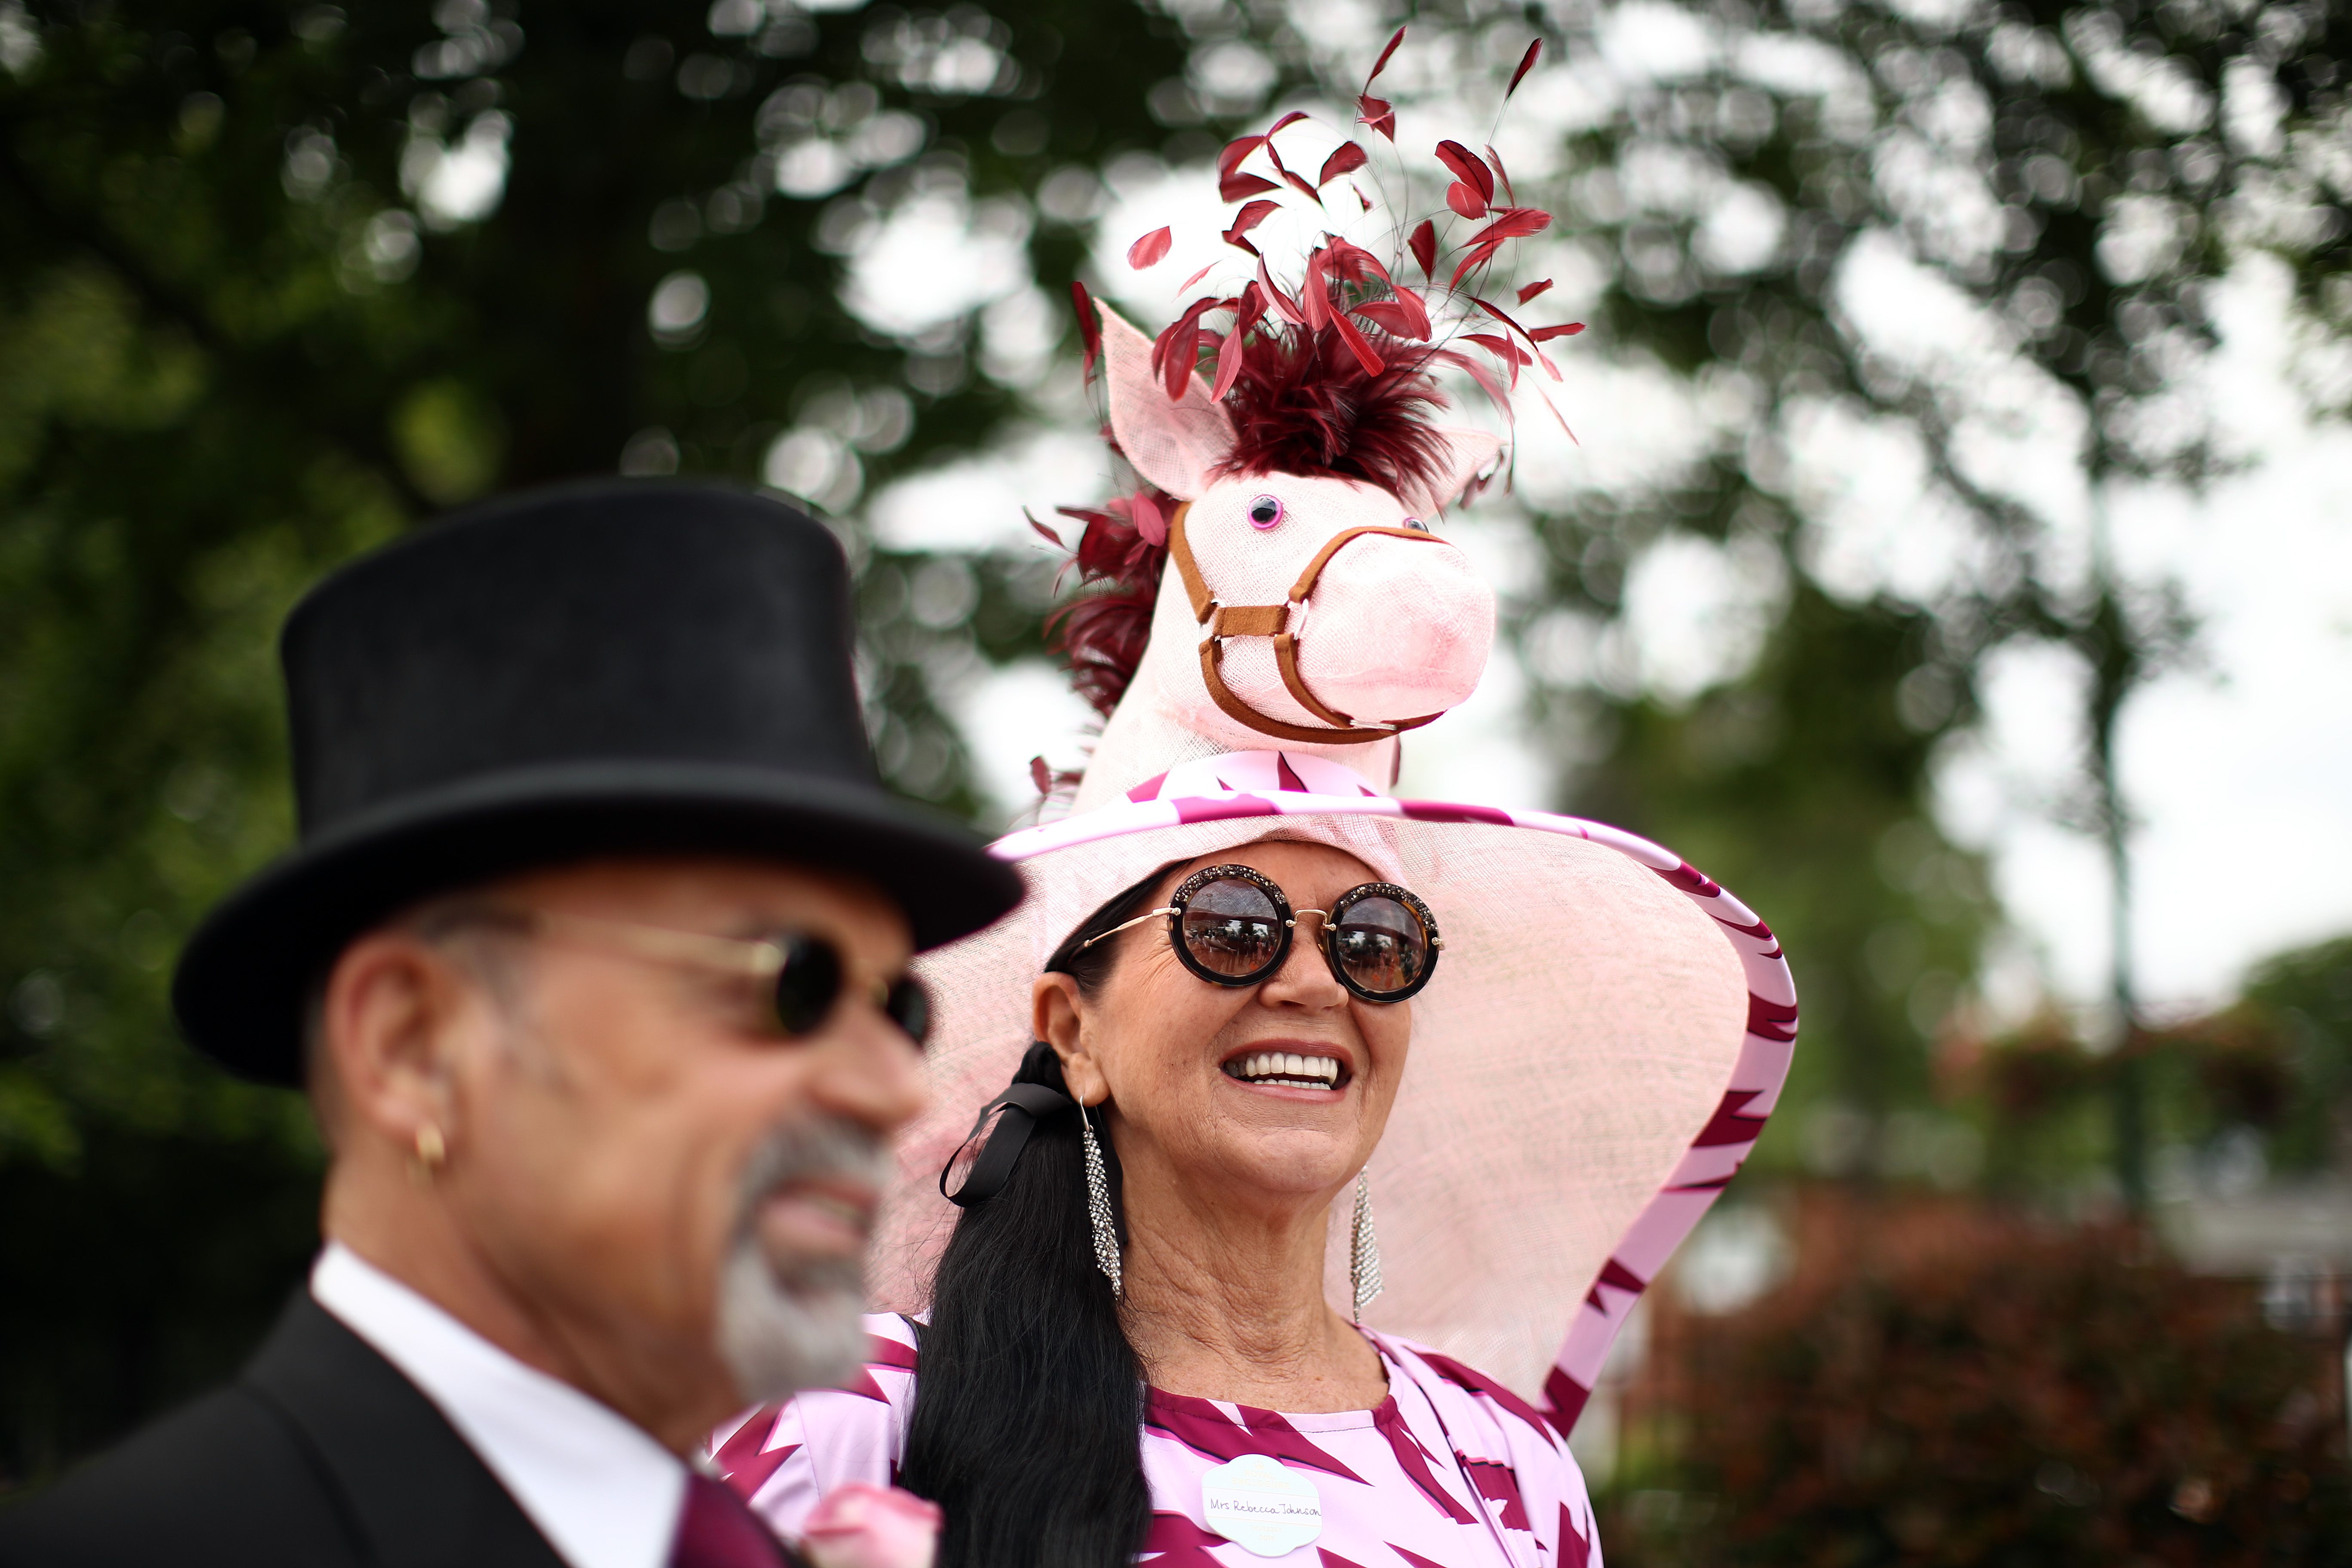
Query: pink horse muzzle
[
  {"x": 1395, "y": 629},
  {"x": 1385, "y": 629}
]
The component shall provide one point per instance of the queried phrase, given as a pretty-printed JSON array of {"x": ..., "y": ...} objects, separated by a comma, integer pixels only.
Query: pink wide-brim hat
[{"x": 1605, "y": 1036}]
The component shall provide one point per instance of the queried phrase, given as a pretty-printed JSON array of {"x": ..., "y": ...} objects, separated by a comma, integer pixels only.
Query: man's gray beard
[{"x": 795, "y": 1324}]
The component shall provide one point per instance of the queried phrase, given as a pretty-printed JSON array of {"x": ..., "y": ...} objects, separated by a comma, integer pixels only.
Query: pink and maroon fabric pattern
[{"x": 1451, "y": 1471}]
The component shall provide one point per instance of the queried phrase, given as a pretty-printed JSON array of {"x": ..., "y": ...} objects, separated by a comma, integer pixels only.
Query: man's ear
[
  {"x": 388, "y": 1022},
  {"x": 1056, "y": 1019},
  {"x": 1177, "y": 444}
]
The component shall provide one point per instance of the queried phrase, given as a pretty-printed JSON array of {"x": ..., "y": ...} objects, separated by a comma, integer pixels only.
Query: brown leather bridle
[{"x": 1273, "y": 621}]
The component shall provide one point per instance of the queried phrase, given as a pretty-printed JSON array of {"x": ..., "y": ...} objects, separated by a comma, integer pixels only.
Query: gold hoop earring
[{"x": 432, "y": 1152}]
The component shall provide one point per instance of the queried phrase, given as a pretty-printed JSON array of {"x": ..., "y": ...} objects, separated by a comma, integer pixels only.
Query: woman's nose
[{"x": 1305, "y": 980}]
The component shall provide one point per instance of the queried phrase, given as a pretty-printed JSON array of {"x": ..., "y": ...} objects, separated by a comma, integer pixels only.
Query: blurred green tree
[
  {"x": 281, "y": 279},
  {"x": 2259, "y": 1086},
  {"x": 2307, "y": 997},
  {"x": 2264, "y": 1083}
]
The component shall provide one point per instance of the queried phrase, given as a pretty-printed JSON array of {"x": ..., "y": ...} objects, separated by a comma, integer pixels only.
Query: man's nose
[{"x": 869, "y": 1070}]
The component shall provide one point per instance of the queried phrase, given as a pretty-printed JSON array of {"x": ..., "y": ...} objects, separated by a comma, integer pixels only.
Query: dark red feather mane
[
  {"x": 1304, "y": 403},
  {"x": 1100, "y": 634}
]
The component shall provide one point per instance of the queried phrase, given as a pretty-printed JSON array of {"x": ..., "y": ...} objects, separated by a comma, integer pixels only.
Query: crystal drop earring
[
  {"x": 1364, "y": 1250},
  {"x": 1105, "y": 1224}
]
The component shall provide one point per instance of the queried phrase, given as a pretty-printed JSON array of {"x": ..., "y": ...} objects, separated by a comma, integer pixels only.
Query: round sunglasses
[
  {"x": 1231, "y": 925},
  {"x": 801, "y": 976},
  {"x": 809, "y": 982}
]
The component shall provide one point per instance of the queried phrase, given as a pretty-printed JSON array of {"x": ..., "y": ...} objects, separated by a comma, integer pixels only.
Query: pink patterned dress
[{"x": 1451, "y": 1470}]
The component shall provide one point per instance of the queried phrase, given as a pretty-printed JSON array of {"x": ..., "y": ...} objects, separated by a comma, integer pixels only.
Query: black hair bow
[{"x": 1025, "y": 1102}]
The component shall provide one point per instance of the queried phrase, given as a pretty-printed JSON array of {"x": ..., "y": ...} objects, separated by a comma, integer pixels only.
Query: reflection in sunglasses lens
[
  {"x": 1381, "y": 944},
  {"x": 808, "y": 984},
  {"x": 1231, "y": 927}
]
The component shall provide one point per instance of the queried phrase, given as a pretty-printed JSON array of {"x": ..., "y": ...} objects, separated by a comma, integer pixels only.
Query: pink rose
[{"x": 859, "y": 1526}]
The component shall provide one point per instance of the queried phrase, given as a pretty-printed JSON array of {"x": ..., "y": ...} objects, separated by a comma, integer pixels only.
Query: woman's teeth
[{"x": 1284, "y": 1068}]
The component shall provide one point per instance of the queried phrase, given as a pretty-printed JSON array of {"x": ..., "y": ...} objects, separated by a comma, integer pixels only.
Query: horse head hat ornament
[
  {"x": 1317, "y": 609},
  {"x": 1292, "y": 474},
  {"x": 1263, "y": 621}
]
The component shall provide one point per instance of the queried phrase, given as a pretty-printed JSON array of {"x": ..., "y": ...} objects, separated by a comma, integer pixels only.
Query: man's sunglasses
[
  {"x": 1231, "y": 925},
  {"x": 800, "y": 975}
]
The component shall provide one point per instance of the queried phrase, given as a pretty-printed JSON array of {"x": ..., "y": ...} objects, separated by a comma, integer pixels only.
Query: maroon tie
[{"x": 718, "y": 1530}]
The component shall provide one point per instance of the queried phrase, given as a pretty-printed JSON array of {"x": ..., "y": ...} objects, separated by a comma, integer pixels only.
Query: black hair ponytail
[{"x": 1027, "y": 1426}]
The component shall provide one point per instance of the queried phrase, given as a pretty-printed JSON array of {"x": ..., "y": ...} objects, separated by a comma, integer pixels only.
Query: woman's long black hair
[{"x": 1028, "y": 1410}]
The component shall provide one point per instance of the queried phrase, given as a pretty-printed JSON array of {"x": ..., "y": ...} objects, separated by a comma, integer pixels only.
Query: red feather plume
[{"x": 1100, "y": 635}]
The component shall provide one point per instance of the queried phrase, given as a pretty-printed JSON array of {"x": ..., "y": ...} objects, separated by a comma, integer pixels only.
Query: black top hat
[{"x": 603, "y": 669}]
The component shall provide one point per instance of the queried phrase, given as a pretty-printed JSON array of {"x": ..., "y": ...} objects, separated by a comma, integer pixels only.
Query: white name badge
[{"x": 1262, "y": 1505}]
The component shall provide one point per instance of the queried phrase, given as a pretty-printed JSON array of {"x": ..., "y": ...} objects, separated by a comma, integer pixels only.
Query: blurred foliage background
[{"x": 277, "y": 281}]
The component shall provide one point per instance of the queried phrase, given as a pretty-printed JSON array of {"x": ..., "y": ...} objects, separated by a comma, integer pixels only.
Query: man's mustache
[{"x": 806, "y": 1148}]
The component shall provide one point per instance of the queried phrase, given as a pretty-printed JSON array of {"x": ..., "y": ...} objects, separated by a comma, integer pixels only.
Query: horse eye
[
  {"x": 1265, "y": 511},
  {"x": 1415, "y": 522}
]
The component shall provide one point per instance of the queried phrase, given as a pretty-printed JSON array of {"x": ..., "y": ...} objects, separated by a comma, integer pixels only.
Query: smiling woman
[{"x": 1240, "y": 1108}]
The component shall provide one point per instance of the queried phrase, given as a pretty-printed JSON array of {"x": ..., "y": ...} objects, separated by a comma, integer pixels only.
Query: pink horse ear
[
  {"x": 1469, "y": 455},
  {"x": 1175, "y": 444}
]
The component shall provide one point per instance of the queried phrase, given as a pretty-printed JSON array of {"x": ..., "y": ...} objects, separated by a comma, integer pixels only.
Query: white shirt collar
[{"x": 603, "y": 1492}]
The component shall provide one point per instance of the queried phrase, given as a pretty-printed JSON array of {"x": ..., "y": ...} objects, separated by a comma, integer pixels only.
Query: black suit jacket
[{"x": 321, "y": 1454}]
